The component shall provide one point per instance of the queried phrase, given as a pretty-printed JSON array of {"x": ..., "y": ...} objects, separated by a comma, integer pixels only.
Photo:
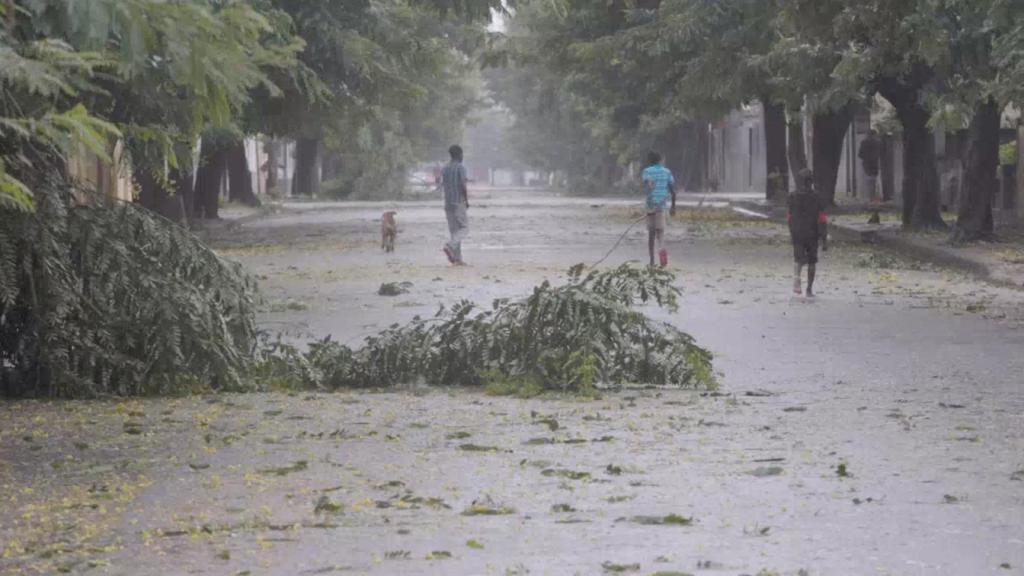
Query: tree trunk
[
  {"x": 670, "y": 145},
  {"x": 165, "y": 192},
  {"x": 683, "y": 149},
  {"x": 239, "y": 176},
  {"x": 695, "y": 156},
  {"x": 273, "y": 149},
  {"x": 184, "y": 193},
  {"x": 209, "y": 175},
  {"x": 974, "y": 221},
  {"x": 326, "y": 168},
  {"x": 797, "y": 149},
  {"x": 828, "y": 132},
  {"x": 307, "y": 179},
  {"x": 155, "y": 194},
  {"x": 152, "y": 194},
  {"x": 609, "y": 172},
  {"x": 913, "y": 143},
  {"x": 887, "y": 167},
  {"x": 920, "y": 171},
  {"x": 777, "y": 183},
  {"x": 330, "y": 167}
]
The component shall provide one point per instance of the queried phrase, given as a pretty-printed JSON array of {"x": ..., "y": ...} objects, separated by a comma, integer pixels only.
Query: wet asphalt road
[{"x": 878, "y": 429}]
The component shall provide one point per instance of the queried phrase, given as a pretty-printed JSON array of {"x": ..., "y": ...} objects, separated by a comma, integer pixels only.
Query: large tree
[
  {"x": 948, "y": 64},
  {"x": 108, "y": 299},
  {"x": 646, "y": 74},
  {"x": 804, "y": 60},
  {"x": 557, "y": 127},
  {"x": 414, "y": 108},
  {"x": 891, "y": 48},
  {"x": 159, "y": 70},
  {"x": 714, "y": 54},
  {"x": 98, "y": 299},
  {"x": 976, "y": 81},
  {"x": 389, "y": 73}
]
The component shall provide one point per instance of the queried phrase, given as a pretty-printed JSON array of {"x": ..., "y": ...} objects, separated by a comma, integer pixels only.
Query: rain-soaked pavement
[{"x": 878, "y": 429}]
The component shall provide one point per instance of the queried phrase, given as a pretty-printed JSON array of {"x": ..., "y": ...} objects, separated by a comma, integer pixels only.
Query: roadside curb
[
  {"x": 891, "y": 239},
  {"x": 258, "y": 213},
  {"x": 887, "y": 237},
  {"x": 264, "y": 211}
]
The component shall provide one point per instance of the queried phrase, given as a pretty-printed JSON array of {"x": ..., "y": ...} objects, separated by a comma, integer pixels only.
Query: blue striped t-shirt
[{"x": 661, "y": 178}]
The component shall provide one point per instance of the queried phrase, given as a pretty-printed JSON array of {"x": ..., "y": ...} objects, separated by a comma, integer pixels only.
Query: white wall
[{"x": 737, "y": 152}]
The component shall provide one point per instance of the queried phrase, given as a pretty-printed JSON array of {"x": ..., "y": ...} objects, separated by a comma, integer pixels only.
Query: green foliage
[
  {"x": 543, "y": 86},
  {"x": 588, "y": 78},
  {"x": 14, "y": 194},
  {"x": 667, "y": 520},
  {"x": 958, "y": 53},
  {"x": 595, "y": 85},
  {"x": 381, "y": 81},
  {"x": 566, "y": 338},
  {"x": 101, "y": 300},
  {"x": 38, "y": 79},
  {"x": 411, "y": 84},
  {"x": 1008, "y": 154},
  {"x": 841, "y": 470},
  {"x": 497, "y": 383},
  {"x": 167, "y": 70},
  {"x": 1008, "y": 50}
]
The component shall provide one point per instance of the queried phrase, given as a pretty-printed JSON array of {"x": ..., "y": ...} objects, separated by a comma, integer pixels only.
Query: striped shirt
[
  {"x": 661, "y": 178},
  {"x": 453, "y": 180}
]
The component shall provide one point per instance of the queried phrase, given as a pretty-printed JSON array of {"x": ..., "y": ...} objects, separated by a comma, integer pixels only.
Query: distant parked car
[{"x": 422, "y": 179}]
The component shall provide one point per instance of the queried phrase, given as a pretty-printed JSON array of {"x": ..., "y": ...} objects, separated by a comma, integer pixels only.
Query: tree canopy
[
  {"x": 623, "y": 71},
  {"x": 103, "y": 299}
]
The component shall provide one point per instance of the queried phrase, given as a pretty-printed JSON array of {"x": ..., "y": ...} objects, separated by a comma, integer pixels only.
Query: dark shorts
[{"x": 805, "y": 251}]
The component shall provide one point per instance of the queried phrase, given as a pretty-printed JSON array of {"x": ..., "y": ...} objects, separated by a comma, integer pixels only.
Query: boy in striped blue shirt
[{"x": 659, "y": 185}]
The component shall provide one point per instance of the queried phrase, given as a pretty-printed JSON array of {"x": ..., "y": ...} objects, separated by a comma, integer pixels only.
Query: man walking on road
[
  {"x": 659, "y": 184},
  {"x": 456, "y": 204}
]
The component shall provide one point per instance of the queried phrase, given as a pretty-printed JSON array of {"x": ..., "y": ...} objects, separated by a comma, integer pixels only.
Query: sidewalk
[
  {"x": 1000, "y": 262},
  {"x": 997, "y": 262}
]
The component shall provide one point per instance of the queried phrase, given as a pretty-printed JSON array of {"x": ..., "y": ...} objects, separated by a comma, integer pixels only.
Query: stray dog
[{"x": 388, "y": 231}]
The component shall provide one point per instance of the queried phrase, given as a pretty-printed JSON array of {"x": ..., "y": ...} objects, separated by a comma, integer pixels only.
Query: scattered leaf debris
[
  {"x": 668, "y": 520},
  {"x": 766, "y": 471}
]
